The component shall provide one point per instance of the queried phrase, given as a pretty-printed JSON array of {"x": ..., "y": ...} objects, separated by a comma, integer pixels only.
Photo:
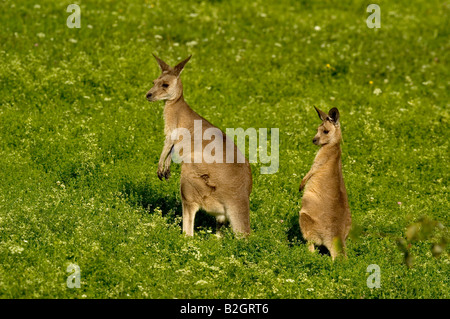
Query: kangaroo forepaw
[
  {"x": 163, "y": 174},
  {"x": 167, "y": 174},
  {"x": 302, "y": 186}
]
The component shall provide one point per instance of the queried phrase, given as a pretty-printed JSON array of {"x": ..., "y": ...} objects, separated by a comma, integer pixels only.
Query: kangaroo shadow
[{"x": 152, "y": 196}]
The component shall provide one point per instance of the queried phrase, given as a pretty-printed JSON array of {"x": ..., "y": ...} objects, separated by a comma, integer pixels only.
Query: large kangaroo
[
  {"x": 222, "y": 188},
  {"x": 325, "y": 214}
]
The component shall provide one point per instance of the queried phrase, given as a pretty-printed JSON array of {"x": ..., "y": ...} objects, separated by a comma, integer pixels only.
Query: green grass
[{"x": 79, "y": 145}]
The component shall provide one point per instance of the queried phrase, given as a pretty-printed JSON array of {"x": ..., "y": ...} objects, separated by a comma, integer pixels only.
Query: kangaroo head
[
  {"x": 168, "y": 85},
  {"x": 329, "y": 132}
]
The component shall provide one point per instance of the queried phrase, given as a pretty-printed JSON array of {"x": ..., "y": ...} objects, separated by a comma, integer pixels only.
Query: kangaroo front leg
[
  {"x": 165, "y": 160},
  {"x": 167, "y": 163},
  {"x": 305, "y": 180}
]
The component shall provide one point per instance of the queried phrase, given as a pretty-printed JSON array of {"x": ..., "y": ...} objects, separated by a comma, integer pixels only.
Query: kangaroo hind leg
[
  {"x": 238, "y": 213},
  {"x": 189, "y": 211}
]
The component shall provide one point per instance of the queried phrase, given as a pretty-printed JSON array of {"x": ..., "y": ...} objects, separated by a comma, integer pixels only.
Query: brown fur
[
  {"x": 325, "y": 217},
  {"x": 221, "y": 189}
]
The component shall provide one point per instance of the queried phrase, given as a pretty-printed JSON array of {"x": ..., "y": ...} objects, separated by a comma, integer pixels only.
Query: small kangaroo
[
  {"x": 221, "y": 189},
  {"x": 325, "y": 217}
]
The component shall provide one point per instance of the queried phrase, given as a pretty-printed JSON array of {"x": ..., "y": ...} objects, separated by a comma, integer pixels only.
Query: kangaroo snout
[
  {"x": 149, "y": 95},
  {"x": 315, "y": 140}
]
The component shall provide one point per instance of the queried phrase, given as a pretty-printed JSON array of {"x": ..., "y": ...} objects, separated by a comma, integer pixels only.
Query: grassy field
[{"x": 79, "y": 145}]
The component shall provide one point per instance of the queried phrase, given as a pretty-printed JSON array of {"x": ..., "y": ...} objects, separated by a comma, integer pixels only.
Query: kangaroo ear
[
  {"x": 180, "y": 66},
  {"x": 333, "y": 114},
  {"x": 322, "y": 115},
  {"x": 163, "y": 65}
]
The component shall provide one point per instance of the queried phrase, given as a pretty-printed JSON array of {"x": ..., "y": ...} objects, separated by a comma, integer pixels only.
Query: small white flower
[
  {"x": 201, "y": 282},
  {"x": 309, "y": 289},
  {"x": 290, "y": 280},
  {"x": 317, "y": 28},
  {"x": 377, "y": 91},
  {"x": 73, "y": 40},
  {"x": 192, "y": 43},
  {"x": 107, "y": 99},
  {"x": 158, "y": 37},
  {"x": 41, "y": 35},
  {"x": 16, "y": 249}
]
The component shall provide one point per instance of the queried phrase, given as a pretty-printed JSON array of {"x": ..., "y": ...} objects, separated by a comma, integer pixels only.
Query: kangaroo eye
[
  {"x": 165, "y": 85},
  {"x": 325, "y": 132}
]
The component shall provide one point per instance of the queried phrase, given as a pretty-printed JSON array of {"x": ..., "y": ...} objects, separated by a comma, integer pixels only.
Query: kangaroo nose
[
  {"x": 149, "y": 95},
  {"x": 314, "y": 140}
]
